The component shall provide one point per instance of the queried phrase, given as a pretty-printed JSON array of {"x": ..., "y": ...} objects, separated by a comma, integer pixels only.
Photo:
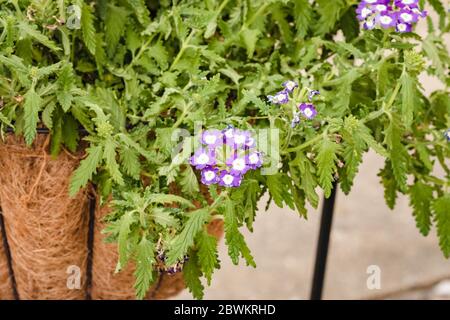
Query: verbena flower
[
  {"x": 203, "y": 158},
  {"x": 290, "y": 85},
  {"x": 227, "y": 179},
  {"x": 281, "y": 97},
  {"x": 398, "y": 14},
  {"x": 210, "y": 175},
  {"x": 244, "y": 157},
  {"x": 295, "y": 119},
  {"x": 238, "y": 165},
  {"x": 212, "y": 138},
  {"x": 254, "y": 160},
  {"x": 308, "y": 110}
]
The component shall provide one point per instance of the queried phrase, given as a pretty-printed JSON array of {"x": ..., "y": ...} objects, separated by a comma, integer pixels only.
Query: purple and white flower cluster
[
  {"x": 398, "y": 14},
  {"x": 307, "y": 110},
  {"x": 225, "y": 156}
]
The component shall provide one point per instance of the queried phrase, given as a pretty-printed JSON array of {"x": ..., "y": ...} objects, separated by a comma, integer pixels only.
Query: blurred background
[{"x": 365, "y": 233}]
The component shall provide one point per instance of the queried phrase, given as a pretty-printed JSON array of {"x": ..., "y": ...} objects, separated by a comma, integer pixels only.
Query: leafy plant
[{"x": 132, "y": 72}]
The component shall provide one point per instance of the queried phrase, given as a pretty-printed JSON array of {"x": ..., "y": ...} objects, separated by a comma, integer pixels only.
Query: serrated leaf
[
  {"x": 87, "y": 28},
  {"x": 207, "y": 254},
  {"x": 189, "y": 182},
  {"x": 31, "y": 114},
  {"x": 163, "y": 217},
  {"x": 421, "y": 196},
  {"x": 303, "y": 17},
  {"x": 326, "y": 164},
  {"x": 398, "y": 154},
  {"x": 279, "y": 190},
  {"x": 37, "y": 35},
  {"x": 125, "y": 228},
  {"x": 116, "y": 18},
  {"x": 234, "y": 239},
  {"x": 249, "y": 38},
  {"x": 87, "y": 168},
  {"x": 191, "y": 275},
  {"x": 145, "y": 259},
  {"x": 183, "y": 241},
  {"x": 70, "y": 132},
  {"x": 442, "y": 217},
  {"x": 109, "y": 154},
  {"x": 130, "y": 162},
  {"x": 408, "y": 98}
]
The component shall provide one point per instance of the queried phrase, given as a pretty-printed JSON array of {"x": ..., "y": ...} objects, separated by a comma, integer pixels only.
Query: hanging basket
[
  {"x": 47, "y": 232},
  {"x": 46, "y": 229}
]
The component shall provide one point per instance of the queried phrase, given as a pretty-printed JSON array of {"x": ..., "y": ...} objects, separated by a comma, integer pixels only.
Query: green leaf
[
  {"x": 234, "y": 239},
  {"x": 278, "y": 188},
  {"x": 162, "y": 198},
  {"x": 421, "y": 196},
  {"x": 116, "y": 18},
  {"x": 87, "y": 27},
  {"x": 249, "y": 38},
  {"x": 37, "y": 35},
  {"x": 303, "y": 14},
  {"x": 70, "y": 132},
  {"x": 192, "y": 274},
  {"x": 145, "y": 260},
  {"x": 207, "y": 254},
  {"x": 189, "y": 182},
  {"x": 87, "y": 168},
  {"x": 109, "y": 154},
  {"x": 398, "y": 154},
  {"x": 308, "y": 182},
  {"x": 389, "y": 183},
  {"x": 124, "y": 230},
  {"x": 408, "y": 98},
  {"x": 65, "y": 83},
  {"x": 130, "y": 161},
  {"x": 47, "y": 115},
  {"x": 31, "y": 114},
  {"x": 326, "y": 164},
  {"x": 141, "y": 11},
  {"x": 329, "y": 13},
  {"x": 163, "y": 217},
  {"x": 183, "y": 241},
  {"x": 442, "y": 217}
]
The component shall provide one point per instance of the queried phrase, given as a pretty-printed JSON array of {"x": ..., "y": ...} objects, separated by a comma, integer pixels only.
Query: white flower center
[
  {"x": 401, "y": 27},
  {"x": 202, "y": 159},
  {"x": 385, "y": 19},
  {"x": 209, "y": 175},
  {"x": 239, "y": 139},
  {"x": 381, "y": 7},
  {"x": 280, "y": 97},
  {"x": 250, "y": 142},
  {"x": 210, "y": 139},
  {"x": 229, "y": 133},
  {"x": 408, "y": 1},
  {"x": 371, "y": 1},
  {"x": 406, "y": 17},
  {"x": 238, "y": 164},
  {"x": 365, "y": 12},
  {"x": 308, "y": 112},
  {"x": 253, "y": 158},
  {"x": 370, "y": 23},
  {"x": 228, "y": 179}
]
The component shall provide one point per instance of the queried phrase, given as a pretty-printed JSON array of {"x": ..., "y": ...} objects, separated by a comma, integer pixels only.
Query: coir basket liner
[{"x": 47, "y": 231}]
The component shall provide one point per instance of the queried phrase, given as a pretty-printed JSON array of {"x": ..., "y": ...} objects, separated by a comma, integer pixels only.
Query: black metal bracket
[{"x": 323, "y": 245}]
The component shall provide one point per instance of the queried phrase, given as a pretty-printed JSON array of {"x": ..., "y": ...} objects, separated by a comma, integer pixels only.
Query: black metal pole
[{"x": 322, "y": 245}]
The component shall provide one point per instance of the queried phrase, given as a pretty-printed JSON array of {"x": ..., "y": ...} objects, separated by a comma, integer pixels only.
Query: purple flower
[
  {"x": 406, "y": 3},
  {"x": 203, "y": 158},
  {"x": 250, "y": 142},
  {"x": 369, "y": 24},
  {"x": 403, "y": 27},
  {"x": 238, "y": 139},
  {"x": 381, "y": 7},
  {"x": 387, "y": 19},
  {"x": 308, "y": 110},
  {"x": 407, "y": 16},
  {"x": 363, "y": 11},
  {"x": 290, "y": 85},
  {"x": 226, "y": 179},
  {"x": 281, "y": 97},
  {"x": 421, "y": 14},
  {"x": 209, "y": 175},
  {"x": 447, "y": 135},
  {"x": 212, "y": 138},
  {"x": 254, "y": 160},
  {"x": 238, "y": 165},
  {"x": 312, "y": 93}
]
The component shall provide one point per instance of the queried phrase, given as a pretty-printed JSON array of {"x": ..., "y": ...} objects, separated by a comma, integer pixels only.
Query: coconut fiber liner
[
  {"x": 6, "y": 290},
  {"x": 109, "y": 285},
  {"x": 46, "y": 229}
]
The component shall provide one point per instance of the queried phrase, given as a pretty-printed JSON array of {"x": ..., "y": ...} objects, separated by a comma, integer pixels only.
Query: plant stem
[{"x": 182, "y": 49}]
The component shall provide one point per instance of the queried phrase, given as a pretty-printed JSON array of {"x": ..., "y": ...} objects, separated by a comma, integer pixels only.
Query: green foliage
[{"x": 134, "y": 71}]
